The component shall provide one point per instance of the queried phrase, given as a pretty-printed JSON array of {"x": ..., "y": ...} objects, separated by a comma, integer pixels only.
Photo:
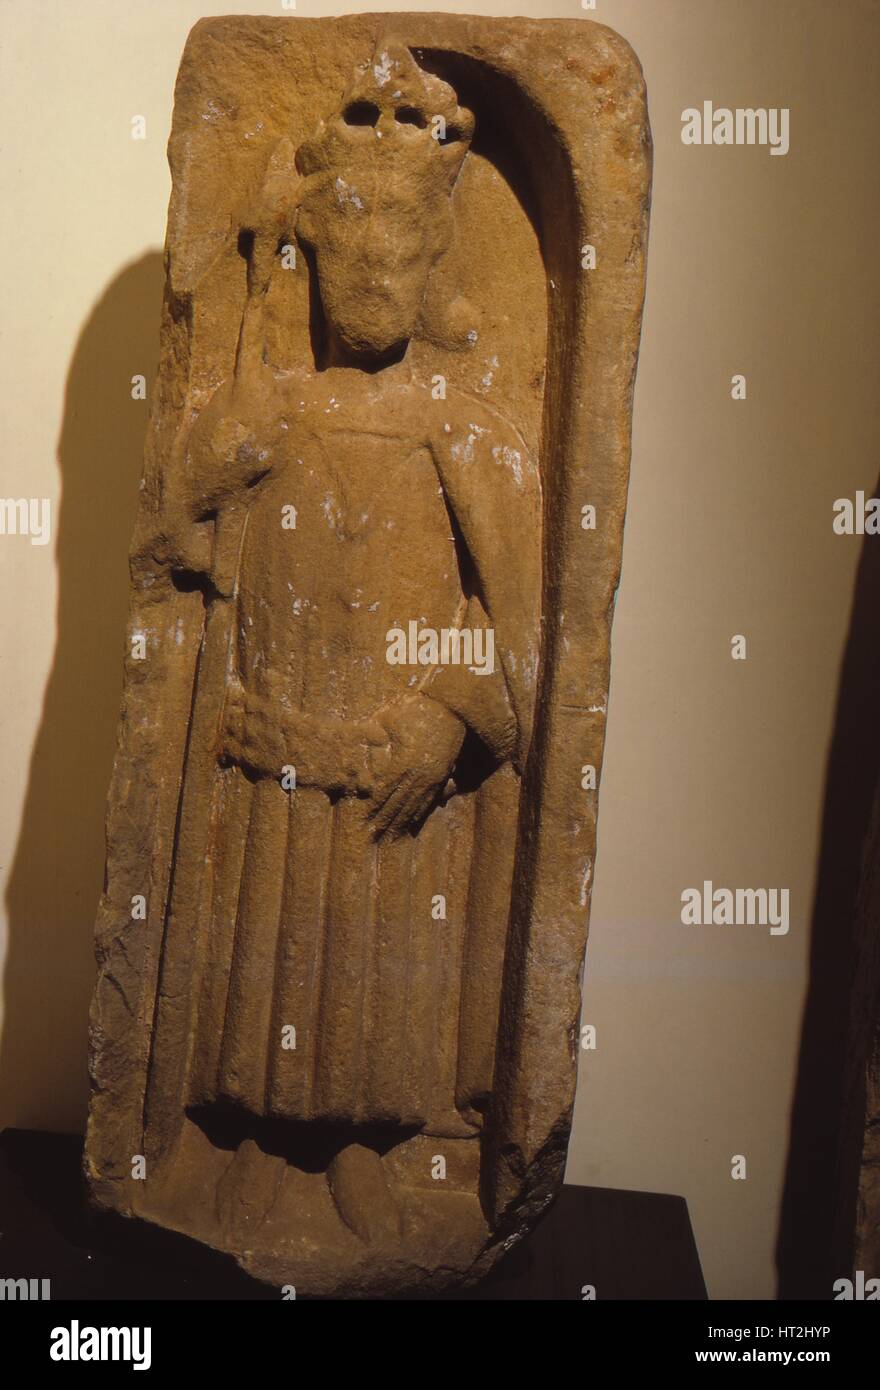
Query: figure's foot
[
  {"x": 452, "y": 1124},
  {"x": 248, "y": 1188},
  {"x": 363, "y": 1198}
]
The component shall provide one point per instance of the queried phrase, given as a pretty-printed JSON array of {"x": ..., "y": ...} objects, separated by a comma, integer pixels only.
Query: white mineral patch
[
  {"x": 511, "y": 459},
  {"x": 585, "y": 882},
  {"x": 382, "y": 69},
  {"x": 489, "y": 377},
  {"x": 345, "y": 194},
  {"x": 464, "y": 452}
]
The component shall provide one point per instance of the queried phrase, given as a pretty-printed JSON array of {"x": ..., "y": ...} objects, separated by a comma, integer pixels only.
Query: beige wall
[{"x": 714, "y": 769}]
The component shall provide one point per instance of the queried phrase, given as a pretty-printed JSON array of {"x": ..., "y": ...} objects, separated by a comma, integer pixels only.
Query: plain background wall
[{"x": 714, "y": 769}]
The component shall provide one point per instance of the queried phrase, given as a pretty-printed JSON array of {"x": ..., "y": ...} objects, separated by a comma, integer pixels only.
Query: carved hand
[
  {"x": 234, "y": 441},
  {"x": 424, "y": 740}
]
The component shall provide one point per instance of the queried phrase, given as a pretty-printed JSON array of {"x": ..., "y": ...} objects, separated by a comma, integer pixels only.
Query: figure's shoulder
[
  {"x": 465, "y": 410},
  {"x": 473, "y": 428}
]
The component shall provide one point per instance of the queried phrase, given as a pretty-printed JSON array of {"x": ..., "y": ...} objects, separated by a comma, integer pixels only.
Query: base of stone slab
[
  {"x": 332, "y": 1216},
  {"x": 624, "y": 1245}
]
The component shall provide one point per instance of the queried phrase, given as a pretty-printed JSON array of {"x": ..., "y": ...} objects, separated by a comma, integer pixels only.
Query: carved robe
[{"x": 307, "y": 919}]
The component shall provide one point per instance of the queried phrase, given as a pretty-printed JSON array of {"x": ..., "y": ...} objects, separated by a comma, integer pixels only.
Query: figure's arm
[
  {"x": 234, "y": 441},
  {"x": 492, "y": 487},
  {"x": 478, "y": 697}
]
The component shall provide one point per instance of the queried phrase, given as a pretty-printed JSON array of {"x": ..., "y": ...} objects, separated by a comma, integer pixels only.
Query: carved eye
[
  {"x": 361, "y": 113},
  {"x": 410, "y": 115}
]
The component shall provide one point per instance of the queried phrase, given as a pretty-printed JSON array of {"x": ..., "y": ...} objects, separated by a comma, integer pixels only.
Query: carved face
[
  {"x": 375, "y": 205},
  {"x": 375, "y": 241}
]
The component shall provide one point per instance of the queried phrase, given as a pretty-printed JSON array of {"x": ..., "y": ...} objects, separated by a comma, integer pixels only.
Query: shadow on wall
[
  {"x": 57, "y": 871},
  {"x": 821, "y": 1172}
]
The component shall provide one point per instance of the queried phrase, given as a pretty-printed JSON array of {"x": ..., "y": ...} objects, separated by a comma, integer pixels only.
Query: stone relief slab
[{"x": 352, "y": 825}]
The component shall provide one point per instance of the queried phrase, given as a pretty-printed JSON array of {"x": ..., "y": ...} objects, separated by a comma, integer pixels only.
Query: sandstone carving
[{"x": 352, "y": 822}]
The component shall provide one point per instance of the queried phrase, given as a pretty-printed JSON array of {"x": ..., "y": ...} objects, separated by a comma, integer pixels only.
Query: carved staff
[{"x": 186, "y": 924}]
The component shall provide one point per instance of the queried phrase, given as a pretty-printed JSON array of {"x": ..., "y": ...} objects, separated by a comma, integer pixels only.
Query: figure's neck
[{"x": 337, "y": 356}]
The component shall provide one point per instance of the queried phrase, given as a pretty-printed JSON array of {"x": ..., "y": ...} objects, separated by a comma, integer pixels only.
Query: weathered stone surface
[{"x": 391, "y": 383}]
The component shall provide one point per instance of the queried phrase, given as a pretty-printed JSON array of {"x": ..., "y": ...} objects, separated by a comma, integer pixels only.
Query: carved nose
[{"x": 401, "y": 118}]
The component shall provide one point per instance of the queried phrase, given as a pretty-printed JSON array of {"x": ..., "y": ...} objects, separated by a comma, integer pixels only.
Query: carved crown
[{"x": 394, "y": 115}]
